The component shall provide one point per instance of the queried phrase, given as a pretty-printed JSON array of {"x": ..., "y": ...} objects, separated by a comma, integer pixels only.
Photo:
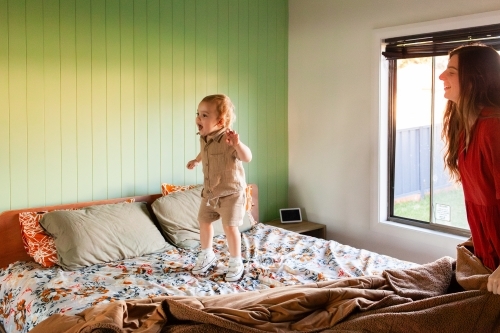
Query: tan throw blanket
[{"x": 412, "y": 300}]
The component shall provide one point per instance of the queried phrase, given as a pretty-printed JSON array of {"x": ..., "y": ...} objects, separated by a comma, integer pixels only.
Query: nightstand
[{"x": 305, "y": 228}]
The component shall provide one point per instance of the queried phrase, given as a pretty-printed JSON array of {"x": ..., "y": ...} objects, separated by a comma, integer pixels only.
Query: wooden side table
[{"x": 305, "y": 228}]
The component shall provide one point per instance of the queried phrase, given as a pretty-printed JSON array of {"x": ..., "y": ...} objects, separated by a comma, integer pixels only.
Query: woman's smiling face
[{"x": 450, "y": 80}]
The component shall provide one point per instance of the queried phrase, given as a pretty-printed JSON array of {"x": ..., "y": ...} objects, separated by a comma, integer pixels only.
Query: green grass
[{"x": 420, "y": 209}]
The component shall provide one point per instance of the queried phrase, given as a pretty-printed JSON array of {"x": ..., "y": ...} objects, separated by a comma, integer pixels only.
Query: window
[{"x": 420, "y": 190}]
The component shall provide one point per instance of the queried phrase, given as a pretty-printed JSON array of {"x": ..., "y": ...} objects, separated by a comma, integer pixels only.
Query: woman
[{"x": 471, "y": 130}]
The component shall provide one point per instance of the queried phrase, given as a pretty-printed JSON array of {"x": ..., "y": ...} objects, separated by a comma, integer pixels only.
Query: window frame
[{"x": 391, "y": 109}]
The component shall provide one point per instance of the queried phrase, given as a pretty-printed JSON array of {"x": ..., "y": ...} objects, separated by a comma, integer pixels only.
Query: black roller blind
[{"x": 440, "y": 43}]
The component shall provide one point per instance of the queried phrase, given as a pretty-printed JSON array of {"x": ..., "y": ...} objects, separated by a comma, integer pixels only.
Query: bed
[{"x": 292, "y": 282}]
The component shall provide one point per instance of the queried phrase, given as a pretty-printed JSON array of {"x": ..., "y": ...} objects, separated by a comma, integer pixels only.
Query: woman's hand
[{"x": 494, "y": 282}]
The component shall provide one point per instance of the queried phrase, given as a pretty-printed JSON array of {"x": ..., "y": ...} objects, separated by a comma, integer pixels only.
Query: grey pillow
[
  {"x": 103, "y": 233},
  {"x": 177, "y": 214}
]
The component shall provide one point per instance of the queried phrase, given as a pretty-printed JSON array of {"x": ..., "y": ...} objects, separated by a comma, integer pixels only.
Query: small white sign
[{"x": 443, "y": 212}]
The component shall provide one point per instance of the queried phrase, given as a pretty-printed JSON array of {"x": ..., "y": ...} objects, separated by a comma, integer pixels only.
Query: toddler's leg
[
  {"x": 206, "y": 235},
  {"x": 206, "y": 257},
  {"x": 233, "y": 237},
  {"x": 236, "y": 268}
]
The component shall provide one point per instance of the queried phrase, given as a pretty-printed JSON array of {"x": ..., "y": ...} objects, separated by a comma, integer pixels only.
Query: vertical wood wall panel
[
  {"x": 98, "y": 98},
  {"x": 281, "y": 114},
  {"x": 262, "y": 97},
  {"x": 201, "y": 47},
  {"x": 253, "y": 87},
  {"x": 190, "y": 136},
  {"x": 141, "y": 96},
  {"x": 18, "y": 139},
  {"x": 154, "y": 152},
  {"x": 35, "y": 102},
  {"x": 84, "y": 139},
  {"x": 52, "y": 160},
  {"x": 212, "y": 47},
  {"x": 271, "y": 122},
  {"x": 127, "y": 101},
  {"x": 166, "y": 91},
  {"x": 178, "y": 68},
  {"x": 242, "y": 80},
  {"x": 4, "y": 105},
  {"x": 69, "y": 167},
  {"x": 232, "y": 60},
  {"x": 113, "y": 117},
  {"x": 222, "y": 47}
]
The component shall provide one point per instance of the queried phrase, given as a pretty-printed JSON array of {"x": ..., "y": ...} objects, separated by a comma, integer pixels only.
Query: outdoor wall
[
  {"x": 333, "y": 120},
  {"x": 98, "y": 98}
]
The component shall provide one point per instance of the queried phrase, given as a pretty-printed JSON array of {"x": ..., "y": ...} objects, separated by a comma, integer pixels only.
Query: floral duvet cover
[{"x": 273, "y": 257}]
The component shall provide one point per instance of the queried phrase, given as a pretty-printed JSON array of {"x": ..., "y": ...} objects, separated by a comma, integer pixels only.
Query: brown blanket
[{"x": 413, "y": 300}]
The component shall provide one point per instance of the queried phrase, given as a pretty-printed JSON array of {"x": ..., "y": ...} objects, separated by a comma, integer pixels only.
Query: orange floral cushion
[
  {"x": 169, "y": 188},
  {"x": 38, "y": 244},
  {"x": 249, "y": 203}
]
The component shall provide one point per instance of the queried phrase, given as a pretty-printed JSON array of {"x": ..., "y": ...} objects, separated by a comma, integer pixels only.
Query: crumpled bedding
[{"x": 428, "y": 298}]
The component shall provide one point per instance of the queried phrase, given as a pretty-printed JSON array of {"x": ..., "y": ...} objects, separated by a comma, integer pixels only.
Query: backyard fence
[{"x": 413, "y": 162}]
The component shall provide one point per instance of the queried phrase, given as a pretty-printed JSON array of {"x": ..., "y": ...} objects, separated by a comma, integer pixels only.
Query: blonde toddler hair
[{"x": 224, "y": 106}]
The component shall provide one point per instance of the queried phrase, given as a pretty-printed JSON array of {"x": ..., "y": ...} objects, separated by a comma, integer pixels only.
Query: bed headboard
[{"x": 12, "y": 248}]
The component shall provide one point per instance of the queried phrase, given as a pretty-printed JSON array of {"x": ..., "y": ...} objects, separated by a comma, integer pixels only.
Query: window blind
[{"x": 440, "y": 43}]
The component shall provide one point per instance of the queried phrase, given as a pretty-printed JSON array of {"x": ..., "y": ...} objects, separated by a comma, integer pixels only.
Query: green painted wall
[{"x": 98, "y": 98}]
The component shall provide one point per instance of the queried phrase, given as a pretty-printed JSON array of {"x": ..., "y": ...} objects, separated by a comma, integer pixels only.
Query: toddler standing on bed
[{"x": 223, "y": 195}]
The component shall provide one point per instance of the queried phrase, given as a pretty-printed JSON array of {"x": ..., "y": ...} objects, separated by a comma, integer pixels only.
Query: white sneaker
[
  {"x": 204, "y": 262},
  {"x": 235, "y": 271}
]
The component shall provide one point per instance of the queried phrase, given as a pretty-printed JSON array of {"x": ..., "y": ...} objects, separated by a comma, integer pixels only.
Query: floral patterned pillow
[
  {"x": 249, "y": 203},
  {"x": 38, "y": 244},
  {"x": 166, "y": 189},
  {"x": 170, "y": 188}
]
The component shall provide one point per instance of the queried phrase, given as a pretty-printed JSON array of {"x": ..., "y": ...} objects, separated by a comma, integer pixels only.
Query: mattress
[{"x": 273, "y": 257}]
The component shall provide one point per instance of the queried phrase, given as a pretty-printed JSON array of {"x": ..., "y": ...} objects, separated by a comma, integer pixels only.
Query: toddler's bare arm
[
  {"x": 233, "y": 139},
  {"x": 191, "y": 164}
]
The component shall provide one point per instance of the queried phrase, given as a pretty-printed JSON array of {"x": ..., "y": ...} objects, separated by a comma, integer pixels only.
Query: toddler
[{"x": 223, "y": 195}]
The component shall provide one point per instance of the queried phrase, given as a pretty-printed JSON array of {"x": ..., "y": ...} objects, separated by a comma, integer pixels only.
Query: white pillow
[
  {"x": 103, "y": 233},
  {"x": 177, "y": 214}
]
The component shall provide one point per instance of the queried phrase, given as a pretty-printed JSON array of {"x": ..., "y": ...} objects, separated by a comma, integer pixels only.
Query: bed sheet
[{"x": 273, "y": 257}]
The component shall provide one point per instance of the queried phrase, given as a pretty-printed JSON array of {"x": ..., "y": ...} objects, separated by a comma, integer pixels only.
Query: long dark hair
[{"x": 479, "y": 80}]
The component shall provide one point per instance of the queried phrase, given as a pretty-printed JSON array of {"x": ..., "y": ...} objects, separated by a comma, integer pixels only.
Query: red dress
[{"x": 479, "y": 169}]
